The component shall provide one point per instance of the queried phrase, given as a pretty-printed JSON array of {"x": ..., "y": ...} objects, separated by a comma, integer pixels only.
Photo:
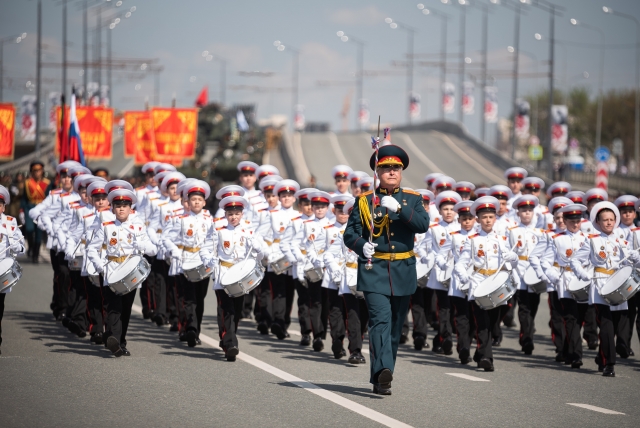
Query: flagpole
[{"x": 63, "y": 141}]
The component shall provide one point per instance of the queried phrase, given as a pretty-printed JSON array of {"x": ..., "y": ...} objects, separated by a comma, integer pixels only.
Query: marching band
[{"x": 485, "y": 251}]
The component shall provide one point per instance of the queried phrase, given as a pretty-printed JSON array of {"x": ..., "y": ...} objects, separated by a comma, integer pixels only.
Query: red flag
[
  {"x": 63, "y": 140},
  {"x": 203, "y": 98}
]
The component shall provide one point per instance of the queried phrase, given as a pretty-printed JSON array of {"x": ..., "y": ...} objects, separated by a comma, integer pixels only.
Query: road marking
[
  {"x": 126, "y": 168},
  {"x": 468, "y": 158},
  {"x": 308, "y": 386},
  {"x": 596, "y": 409},
  {"x": 467, "y": 377},
  {"x": 428, "y": 162},
  {"x": 335, "y": 145}
]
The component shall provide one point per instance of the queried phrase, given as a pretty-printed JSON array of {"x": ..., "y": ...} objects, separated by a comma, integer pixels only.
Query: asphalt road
[
  {"x": 429, "y": 151},
  {"x": 51, "y": 378}
]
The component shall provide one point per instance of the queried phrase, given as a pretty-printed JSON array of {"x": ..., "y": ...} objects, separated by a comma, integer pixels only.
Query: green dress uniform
[{"x": 392, "y": 279}]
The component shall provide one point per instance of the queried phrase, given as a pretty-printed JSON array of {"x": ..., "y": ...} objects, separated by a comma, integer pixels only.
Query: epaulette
[
  {"x": 56, "y": 191},
  {"x": 433, "y": 225},
  {"x": 329, "y": 226},
  {"x": 163, "y": 203},
  {"x": 184, "y": 216},
  {"x": 10, "y": 218},
  {"x": 65, "y": 194},
  {"x": 594, "y": 235},
  {"x": 367, "y": 193},
  {"x": 218, "y": 218},
  {"x": 154, "y": 199},
  {"x": 247, "y": 222},
  {"x": 220, "y": 228},
  {"x": 264, "y": 209},
  {"x": 549, "y": 231},
  {"x": 87, "y": 215},
  {"x": 584, "y": 220},
  {"x": 411, "y": 192},
  {"x": 107, "y": 223},
  {"x": 475, "y": 235},
  {"x": 635, "y": 229},
  {"x": 296, "y": 218},
  {"x": 454, "y": 232},
  {"x": 103, "y": 209},
  {"x": 177, "y": 209},
  {"x": 558, "y": 234},
  {"x": 514, "y": 227},
  {"x": 273, "y": 211},
  {"x": 307, "y": 221}
]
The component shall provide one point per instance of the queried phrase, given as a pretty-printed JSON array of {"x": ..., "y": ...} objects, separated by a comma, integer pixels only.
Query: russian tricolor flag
[{"x": 75, "y": 143}]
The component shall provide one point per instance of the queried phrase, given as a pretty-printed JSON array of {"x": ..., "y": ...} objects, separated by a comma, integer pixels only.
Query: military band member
[
  {"x": 481, "y": 191},
  {"x": 232, "y": 244},
  {"x": 123, "y": 237},
  {"x": 354, "y": 177},
  {"x": 514, "y": 177},
  {"x": 464, "y": 189},
  {"x": 576, "y": 196},
  {"x": 391, "y": 279},
  {"x": 559, "y": 188},
  {"x": 365, "y": 184},
  {"x": 11, "y": 243}
]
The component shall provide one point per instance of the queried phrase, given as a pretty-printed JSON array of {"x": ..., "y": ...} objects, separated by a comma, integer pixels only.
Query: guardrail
[{"x": 622, "y": 184}]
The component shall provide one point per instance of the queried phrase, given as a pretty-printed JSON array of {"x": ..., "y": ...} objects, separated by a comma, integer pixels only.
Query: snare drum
[
  {"x": 313, "y": 274},
  {"x": 280, "y": 266},
  {"x": 242, "y": 277},
  {"x": 422, "y": 270},
  {"x": 75, "y": 263},
  {"x": 444, "y": 276},
  {"x": 621, "y": 286},
  {"x": 579, "y": 289},
  {"x": 128, "y": 275},
  {"x": 532, "y": 280},
  {"x": 194, "y": 270},
  {"x": 11, "y": 273},
  {"x": 494, "y": 290},
  {"x": 93, "y": 276}
]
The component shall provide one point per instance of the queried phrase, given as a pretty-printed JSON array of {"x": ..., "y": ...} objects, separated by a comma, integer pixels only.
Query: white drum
[
  {"x": 532, "y": 280},
  {"x": 621, "y": 286},
  {"x": 10, "y": 273},
  {"x": 422, "y": 270},
  {"x": 128, "y": 275},
  {"x": 444, "y": 276},
  {"x": 494, "y": 290},
  {"x": 75, "y": 263},
  {"x": 280, "y": 266},
  {"x": 579, "y": 289},
  {"x": 242, "y": 277},
  {"x": 195, "y": 271},
  {"x": 93, "y": 276},
  {"x": 313, "y": 274}
]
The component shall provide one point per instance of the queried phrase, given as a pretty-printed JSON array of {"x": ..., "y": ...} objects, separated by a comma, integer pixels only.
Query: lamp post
[
  {"x": 608, "y": 10},
  {"x": 295, "y": 71},
  {"x": 16, "y": 39},
  {"x": 444, "y": 20},
  {"x": 359, "y": 73},
  {"x": 575, "y": 22},
  {"x": 411, "y": 34}
]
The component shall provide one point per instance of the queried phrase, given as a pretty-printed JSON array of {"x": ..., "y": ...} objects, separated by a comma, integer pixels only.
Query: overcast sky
[{"x": 243, "y": 32}]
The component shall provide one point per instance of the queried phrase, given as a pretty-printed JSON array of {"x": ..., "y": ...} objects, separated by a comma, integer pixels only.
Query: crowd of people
[{"x": 482, "y": 253}]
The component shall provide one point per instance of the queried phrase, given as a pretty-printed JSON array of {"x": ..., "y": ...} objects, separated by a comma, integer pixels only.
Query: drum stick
[{"x": 504, "y": 261}]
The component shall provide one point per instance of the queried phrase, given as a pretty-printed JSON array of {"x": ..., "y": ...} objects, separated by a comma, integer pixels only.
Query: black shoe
[
  {"x": 438, "y": 349},
  {"x": 486, "y": 364},
  {"x": 381, "y": 389},
  {"x": 463, "y": 354},
  {"x": 198, "y": 341},
  {"x": 403, "y": 339},
  {"x": 306, "y": 340},
  {"x": 609, "y": 371},
  {"x": 593, "y": 345},
  {"x": 527, "y": 348},
  {"x": 125, "y": 351},
  {"x": 560, "y": 358},
  {"x": 174, "y": 326},
  {"x": 158, "y": 319},
  {"x": 65, "y": 321},
  {"x": 419, "y": 342},
  {"x": 278, "y": 331},
  {"x": 317, "y": 344},
  {"x": 622, "y": 350},
  {"x": 357, "y": 358},
  {"x": 182, "y": 337},
  {"x": 337, "y": 349},
  {"x": 576, "y": 364},
  {"x": 385, "y": 378},
  {"x": 114, "y": 346},
  {"x": 73, "y": 327},
  {"x": 496, "y": 343},
  {"x": 191, "y": 338},
  {"x": 146, "y": 315},
  {"x": 97, "y": 338},
  {"x": 231, "y": 353},
  {"x": 263, "y": 328},
  {"x": 447, "y": 347}
]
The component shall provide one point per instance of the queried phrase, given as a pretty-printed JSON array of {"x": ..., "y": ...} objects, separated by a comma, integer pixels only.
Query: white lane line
[
  {"x": 297, "y": 333},
  {"x": 126, "y": 168},
  {"x": 308, "y": 386},
  {"x": 428, "y": 162},
  {"x": 453, "y": 146},
  {"x": 595, "y": 408},
  {"x": 467, "y": 377},
  {"x": 335, "y": 145}
]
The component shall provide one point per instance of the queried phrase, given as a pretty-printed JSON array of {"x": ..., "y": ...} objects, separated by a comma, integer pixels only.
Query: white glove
[
  {"x": 138, "y": 246},
  {"x": 428, "y": 259},
  {"x": 312, "y": 257},
  {"x": 581, "y": 273},
  {"x": 176, "y": 253},
  {"x": 333, "y": 267},
  {"x": 99, "y": 268},
  {"x": 463, "y": 277},
  {"x": 21, "y": 217},
  {"x": 389, "y": 203},
  {"x": 368, "y": 249},
  {"x": 291, "y": 258},
  {"x": 552, "y": 276},
  {"x": 317, "y": 263},
  {"x": 300, "y": 271},
  {"x": 16, "y": 246},
  {"x": 299, "y": 257},
  {"x": 634, "y": 256},
  {"x": 336, "y": 276},
  {"x": 511, "y": 256},
  {"x": 442, "y": 262}
]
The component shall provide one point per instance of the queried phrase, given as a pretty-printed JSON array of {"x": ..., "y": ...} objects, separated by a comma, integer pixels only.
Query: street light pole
[
  {"x": 483, "y": 95},
  {"x": 516, "y": 61},
  {"x": 637, "y": 115},
  {"x": 600, "y": 78},
  {"x": 552, "y": 29},
  {"x": 38, "y": 76},
  {"x": 463, "y": 25},
  {"x": 85, "y": 43},
  {"x": 64, "y": 49}
]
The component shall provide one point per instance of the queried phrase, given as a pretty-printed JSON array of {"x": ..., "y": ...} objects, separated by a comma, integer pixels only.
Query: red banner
[
  {"x": 7, "y": 133},
  {"x": 130, "y": 135},
  {"x": 175, "y": 132},
  {"x": 144, "y": 142},
  {"x": 96, "y": 126}
]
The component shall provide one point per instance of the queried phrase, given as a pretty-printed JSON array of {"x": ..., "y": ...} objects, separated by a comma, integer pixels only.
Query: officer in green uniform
[{"x": 387, "y": 265}]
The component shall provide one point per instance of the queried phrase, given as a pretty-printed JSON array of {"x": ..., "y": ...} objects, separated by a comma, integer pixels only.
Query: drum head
[
  {"x": 238, "y": 271},
  {"x": 421, "y": 269},
  {"x": 124, "y": 269},
  {"x": 616, "y": 280},
  {"x": 577, "y": 284},
  {"x": 191, "y": 264},
  {"x": 491, "y": 284},
  {"x": 6, "y": 264},
  {"x": 530, "y": 276}
]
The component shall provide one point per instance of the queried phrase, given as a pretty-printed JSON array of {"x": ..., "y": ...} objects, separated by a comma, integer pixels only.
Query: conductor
[{"x": 387, "y": 262}]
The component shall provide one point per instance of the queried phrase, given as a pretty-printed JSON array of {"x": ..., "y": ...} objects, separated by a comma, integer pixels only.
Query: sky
[{"x": 243, "y": 31}]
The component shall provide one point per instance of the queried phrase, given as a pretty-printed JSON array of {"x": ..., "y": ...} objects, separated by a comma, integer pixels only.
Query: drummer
[
  {"x": 232, "y": 244},
  {"x": 12, "y": 246},
  {"x": 185, "y": 239},
  {"x": 354, "y": 177},
  {"x": 429, "y": 179},
  {"x": 457, "y": 296},
  {"x": 514, "y": 176},
  {"x": 464, "y": 189},
  {"x": 485, "y": 251},
  {"x": 607, "y": 253},
  {"x": 123, "y": 237},
  {"x": 365, "y": 184},
  {"x": 439, "y": 233}
]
